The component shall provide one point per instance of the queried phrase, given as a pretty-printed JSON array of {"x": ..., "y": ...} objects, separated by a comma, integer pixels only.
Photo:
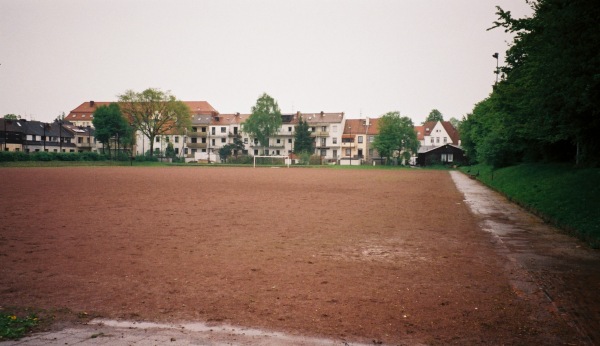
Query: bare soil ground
[{"x": 392, "y": 257}]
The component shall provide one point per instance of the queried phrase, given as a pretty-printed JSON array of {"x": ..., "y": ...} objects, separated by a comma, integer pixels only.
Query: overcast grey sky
[{"x": 358, "y": 57}]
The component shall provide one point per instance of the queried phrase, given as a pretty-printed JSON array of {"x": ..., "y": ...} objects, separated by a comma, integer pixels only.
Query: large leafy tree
[
  {"x": 154, "y": 112},
  {"x": 434, "y": 115},
  {"x": 303, "y": 143},
  {"x": 547, "y": 106},
  {"x": 265, "y": 120},
  {"x": 109, "y": 123},
  {"x": 396, "y": 136}
]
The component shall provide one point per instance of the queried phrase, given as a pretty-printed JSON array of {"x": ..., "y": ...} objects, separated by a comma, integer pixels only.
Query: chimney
[
  {"x": 92, "y": 103},
  {"x": 322, "y": 113}
]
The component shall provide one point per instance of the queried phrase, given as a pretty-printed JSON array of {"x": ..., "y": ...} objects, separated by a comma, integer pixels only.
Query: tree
[
  {"x": 225, "y": 151},
  {"x": 455, "y": 122},
  {"x": 12, "y": 117},
  {"x": 303, "y": 143},
  {"x": 434, "y": 115},
  {"x": 154, "y": 113},
  {"x": 109, "y": 123},
  {"x": 550, "y": 91},
  {"x": 170, "y": 150},
  {"x": 264, "y": 121},
  {"x": 396, "y": 136}
]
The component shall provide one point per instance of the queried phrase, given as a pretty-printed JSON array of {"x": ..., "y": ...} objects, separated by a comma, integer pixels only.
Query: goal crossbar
[{"x": 286, "y": 159}]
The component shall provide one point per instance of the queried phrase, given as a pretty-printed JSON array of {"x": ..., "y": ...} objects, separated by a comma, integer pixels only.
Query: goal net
[{"x": 271, "y": 160}]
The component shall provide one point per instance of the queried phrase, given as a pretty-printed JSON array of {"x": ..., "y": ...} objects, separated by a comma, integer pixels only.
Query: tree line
[{"x": 546, "y": 105}]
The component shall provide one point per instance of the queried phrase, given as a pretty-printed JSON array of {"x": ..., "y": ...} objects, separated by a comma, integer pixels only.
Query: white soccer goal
[{"x": 286, "y": 159}]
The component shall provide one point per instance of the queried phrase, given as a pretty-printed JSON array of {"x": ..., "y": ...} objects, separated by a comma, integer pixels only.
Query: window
[
  {"x": 323, "y": 152},
  {"x": 157, "y": 139},
  {"x": 289, "y": 129},
  {"x": 83, "y": 115},
  {"x": 235, "y": 130},
  {"x": 278, "y": 141},
  {"x": 278, "y": 152},
  {"x": 334, "y": 140},
  {"x": 222, "y": 140},
  {"x": 334, "y": 128},
  {"x": 370, "y": 152},
  {"x": 167, "y": 139},
  {"x": 255, "y": 152},
  {"x": 202, "y": 141},
  {"x": 223, "y": 129},
  {"x": 445, "y": 139},
  {"x": 214, "y": 131},
  {"x": 312, "y": 129},
  {"x": 213, "y": 142},
  {"x": 437, "y": 139},
  {"x": 324, "y": 128},
  {"x": 371, "y": 139},
  {"x": 334, "y": 153},
  {"x": 79, "y": 140},
  {"x": 245, "y": 140},
  {"x": 194, "y": 129},
  {"x": 176, "y": 139},
  {"x": 447, "y": 157},
  {"x": 347, "y": 152},
  {"x": 176, "y": 151},
  {"x": 203, "y": 129},
  {"x": 432, "y": 140},
  {"x": 323, "y": 143},
  {"x": 360, "y": 139},
  {"x": 290, "y": 140}
]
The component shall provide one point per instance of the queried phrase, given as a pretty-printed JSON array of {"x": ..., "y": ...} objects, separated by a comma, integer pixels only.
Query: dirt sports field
[{"x": 371, "y": 256}]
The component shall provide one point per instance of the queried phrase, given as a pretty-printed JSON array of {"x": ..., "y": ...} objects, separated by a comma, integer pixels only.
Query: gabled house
[
  {"x": 357, "y": 141},
  {"x": 34, "y": 136},
  {"x": 83, "y": 115},
  {"x": 327, "y": 131},
  {"x": 434, "y": 135}
]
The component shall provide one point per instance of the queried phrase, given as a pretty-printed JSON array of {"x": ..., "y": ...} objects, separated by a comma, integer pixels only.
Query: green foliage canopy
[
  {"x": 154, "y": 112},
  {"x": 264, "y": 121},
  {"x": 434, "y": 115},
  {"x": 547, "y": 106},
  {"x": 396, "y": 136},
  {"x": 109, "y": 123}
]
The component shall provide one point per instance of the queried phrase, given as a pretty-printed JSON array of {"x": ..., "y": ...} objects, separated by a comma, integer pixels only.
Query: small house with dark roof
[{"x": 440, "y": 143}]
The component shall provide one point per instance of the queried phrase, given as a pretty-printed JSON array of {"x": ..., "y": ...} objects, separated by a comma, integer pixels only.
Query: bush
[
  {"x": 14, "y": 327},
  {"x": 315, "y": 160},
  {"x": 8, "y": 156},
  {"x": 242, "y": 160}
]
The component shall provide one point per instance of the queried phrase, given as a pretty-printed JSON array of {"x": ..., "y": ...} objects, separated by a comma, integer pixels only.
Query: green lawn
[{"x": 566, "y": 196}]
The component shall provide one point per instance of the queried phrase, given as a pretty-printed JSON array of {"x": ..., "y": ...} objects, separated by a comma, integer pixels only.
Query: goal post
[{"x": 286, "y": 159}]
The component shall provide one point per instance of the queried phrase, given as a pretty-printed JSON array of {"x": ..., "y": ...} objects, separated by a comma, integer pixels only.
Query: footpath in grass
[{"x": 566, "y": 196}]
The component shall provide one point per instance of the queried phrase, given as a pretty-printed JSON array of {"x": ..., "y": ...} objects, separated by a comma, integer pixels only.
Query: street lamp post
[{"x": 497, "y": 71}]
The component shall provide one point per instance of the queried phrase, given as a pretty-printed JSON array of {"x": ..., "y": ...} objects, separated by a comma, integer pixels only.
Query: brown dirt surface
[{"x": 384, "y": 256}]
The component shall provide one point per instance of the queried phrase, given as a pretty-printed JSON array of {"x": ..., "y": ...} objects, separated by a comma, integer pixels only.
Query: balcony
[
  {"x": 319, "y": 134},
  {"x": 197, "y": 134},
  {"x": 196, "y": 145},
  {"x": 348, "y": 145}
]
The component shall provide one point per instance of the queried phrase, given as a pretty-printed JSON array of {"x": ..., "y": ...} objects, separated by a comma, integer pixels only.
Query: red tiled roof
[
  {"x": 420, "y": 130},
  {"x": 452, "y": 132},
  {"x": 229, "y": 119},
  {"x": 84, "y": 110},
  {"x": 201, "y": 107},
  {"x": 359, "y": 126}
]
